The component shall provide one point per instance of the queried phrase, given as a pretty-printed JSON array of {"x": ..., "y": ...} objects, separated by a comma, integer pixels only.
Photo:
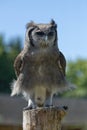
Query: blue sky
[{"x": 70, "y": 16}]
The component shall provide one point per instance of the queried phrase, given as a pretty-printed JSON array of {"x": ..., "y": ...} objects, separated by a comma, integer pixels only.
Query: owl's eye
[
  {"x": 39, "y": 33},
  {"x": 51, "y": 33}
]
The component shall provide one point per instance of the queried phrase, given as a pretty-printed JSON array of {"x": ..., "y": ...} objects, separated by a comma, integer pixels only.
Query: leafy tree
[
  {"x": 14, "y": 47},
  {"x": 8, "y": 52},
  {"x": 77, "y": 74}
]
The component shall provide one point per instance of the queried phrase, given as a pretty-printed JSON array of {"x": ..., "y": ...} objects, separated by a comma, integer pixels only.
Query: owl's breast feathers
[{"x": 40, "y": 66}]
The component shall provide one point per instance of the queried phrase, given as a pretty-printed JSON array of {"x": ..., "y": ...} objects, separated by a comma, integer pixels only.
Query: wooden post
[{"x": 43, "y": 118}]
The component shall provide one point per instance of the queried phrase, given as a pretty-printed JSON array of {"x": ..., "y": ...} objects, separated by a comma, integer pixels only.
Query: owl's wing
[
  {"x": 62, "y": 63},
  {"x": 18, "y": 64}
]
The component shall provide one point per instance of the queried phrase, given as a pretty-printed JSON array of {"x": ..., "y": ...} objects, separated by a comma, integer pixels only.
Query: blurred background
[{"x": 71, "y": 19}]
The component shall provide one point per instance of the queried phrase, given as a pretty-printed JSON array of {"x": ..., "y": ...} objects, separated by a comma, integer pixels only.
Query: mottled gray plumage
[{"x": 40, "y": 67}]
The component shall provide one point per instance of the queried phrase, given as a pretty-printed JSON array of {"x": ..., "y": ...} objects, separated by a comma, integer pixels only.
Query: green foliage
[
  {"x": 77, "y": 74},
  {"x": 8, "y": 52}
]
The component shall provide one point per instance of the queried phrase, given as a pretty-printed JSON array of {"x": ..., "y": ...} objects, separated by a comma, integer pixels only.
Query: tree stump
[{"x": 43, "y": 118}]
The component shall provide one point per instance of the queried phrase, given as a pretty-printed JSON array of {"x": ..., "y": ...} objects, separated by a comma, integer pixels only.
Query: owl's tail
[{"x": 15, "y": 88}]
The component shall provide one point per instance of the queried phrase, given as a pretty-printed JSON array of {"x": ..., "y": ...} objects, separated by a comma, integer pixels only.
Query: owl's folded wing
[
  {"x": 18, "y": 64},
  {"x": 62, "y": 63}
]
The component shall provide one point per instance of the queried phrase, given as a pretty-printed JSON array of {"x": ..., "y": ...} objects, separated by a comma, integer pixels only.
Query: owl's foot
[
  {"x": 28, "y": 108},
  {"x": 31, "y": 105}
]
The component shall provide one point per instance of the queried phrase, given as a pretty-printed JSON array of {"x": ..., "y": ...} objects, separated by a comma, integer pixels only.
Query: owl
[{"x": 40, "y": 66}]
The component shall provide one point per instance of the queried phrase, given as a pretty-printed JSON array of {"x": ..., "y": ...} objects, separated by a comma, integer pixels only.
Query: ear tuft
[
  {"x": 53, "y": 23},
  {"x": 30, "y": 24}
]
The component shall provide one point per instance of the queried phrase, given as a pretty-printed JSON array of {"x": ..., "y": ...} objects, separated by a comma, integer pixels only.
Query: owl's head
[{"x": 41, "y": 35}]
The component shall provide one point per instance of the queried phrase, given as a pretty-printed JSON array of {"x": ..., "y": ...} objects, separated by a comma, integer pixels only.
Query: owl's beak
[
  {"x": 44, "y": 43},
  {"x": 46, "y": 38}
]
